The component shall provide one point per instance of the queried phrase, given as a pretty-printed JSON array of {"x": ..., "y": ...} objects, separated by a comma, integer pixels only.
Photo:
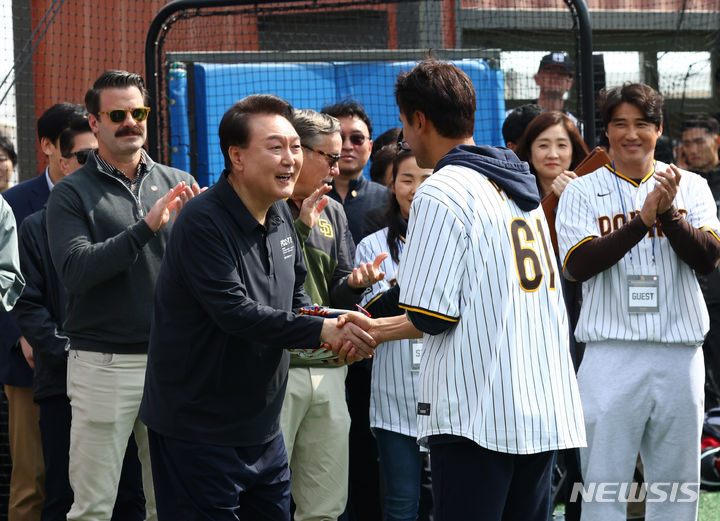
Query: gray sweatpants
[{"x": 648, "y": 399}]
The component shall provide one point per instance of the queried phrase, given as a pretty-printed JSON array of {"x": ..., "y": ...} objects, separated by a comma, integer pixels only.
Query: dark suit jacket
[{"x": 26, "y": 198}]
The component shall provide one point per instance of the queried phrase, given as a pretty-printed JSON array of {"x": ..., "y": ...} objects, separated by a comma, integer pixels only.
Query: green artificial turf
[{"x": 709, "y": 509}]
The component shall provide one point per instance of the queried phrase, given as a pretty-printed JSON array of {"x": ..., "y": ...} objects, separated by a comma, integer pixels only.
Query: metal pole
[{"x": 587, "y": 83}]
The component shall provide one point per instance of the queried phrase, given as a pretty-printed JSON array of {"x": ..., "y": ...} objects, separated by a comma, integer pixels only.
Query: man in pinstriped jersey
[
  {"x": 497, "y": 390},
  {"x": 634, "y": 232}
]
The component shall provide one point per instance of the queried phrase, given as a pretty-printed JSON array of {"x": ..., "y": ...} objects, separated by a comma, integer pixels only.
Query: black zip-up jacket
[
  {"x": 710, "y": 284},
  {"x": 106, "y": 256},
  {"x": 40, "y": 311},
  {"x": 217, "y": 365}
]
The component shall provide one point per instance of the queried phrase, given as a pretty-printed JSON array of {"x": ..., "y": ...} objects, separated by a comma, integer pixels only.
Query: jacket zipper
[{"x": 138, "y": 205}]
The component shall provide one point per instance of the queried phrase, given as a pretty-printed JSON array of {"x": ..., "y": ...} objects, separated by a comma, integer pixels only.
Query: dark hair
[
  {"x": 664, "y": 150},
  {"x": 539, "y": 125},
  {"x": 516, "y": 122},
  {"x": 442, "y": 92},
  {"x": 234, "y": 127},
  {"x": 701, "y": 121},
  {"x": 57, "y": 118},
  {"x": 349, "y": 109},
  {"x": 397, "y": 225},
  {"x": 67, "y": 137},
  {"x": 7, "y": 147},
  {"x": 648, "y": 100},
  {"x": 380, "y": 162},
  {"x": 389, "y": 137},
  {"x": 113, "y": 79}
]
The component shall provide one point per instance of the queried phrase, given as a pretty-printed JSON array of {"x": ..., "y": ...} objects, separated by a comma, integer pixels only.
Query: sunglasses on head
[
  {"x": 139, "y": 114},
  {"x": 332, "y": 159},
  {"x": 355, "y": 139},
  {"x": 402, "y": 145},
  {"x": 81, "y": 155}
]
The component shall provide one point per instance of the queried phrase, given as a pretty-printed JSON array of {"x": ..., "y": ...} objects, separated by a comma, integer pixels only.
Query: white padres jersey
[
  {"x": 502, "y": 375},
  {"x": 603, "y": 201},
  {"x": 393, "y": 386}
]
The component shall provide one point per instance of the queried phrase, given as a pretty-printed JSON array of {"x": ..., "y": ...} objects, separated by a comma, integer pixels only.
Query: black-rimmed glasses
[
  {"x": 81, "y": 155},
  {"x": 332, "y": 159},
  {"x": 139, "y": 114},
  {"x": 402, "y": 145}
]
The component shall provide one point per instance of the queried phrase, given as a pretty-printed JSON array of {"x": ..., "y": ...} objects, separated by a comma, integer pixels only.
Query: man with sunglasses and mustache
[
  {"x": 108, "y": 225},
  {"x": 16, "y": 374},
  {"x": 39, "y": 314}
]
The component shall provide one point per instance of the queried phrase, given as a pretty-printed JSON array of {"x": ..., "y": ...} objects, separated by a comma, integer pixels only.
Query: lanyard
[{"x": 622, "y": 205}]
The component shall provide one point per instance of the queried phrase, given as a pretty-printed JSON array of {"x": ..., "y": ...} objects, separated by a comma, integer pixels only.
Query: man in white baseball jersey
[
  {"x": 497, "y": 392},
  {"x": 633, "y": 232}
]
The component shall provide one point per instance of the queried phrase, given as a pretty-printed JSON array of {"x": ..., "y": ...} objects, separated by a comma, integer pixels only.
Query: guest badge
[{"x": 643, "y": 294}]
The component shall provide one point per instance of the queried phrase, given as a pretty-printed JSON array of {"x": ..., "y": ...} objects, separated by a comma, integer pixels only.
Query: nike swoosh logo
[{"x": 603, "y": 195}]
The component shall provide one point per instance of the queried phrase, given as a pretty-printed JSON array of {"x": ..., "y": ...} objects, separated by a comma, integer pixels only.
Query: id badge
[
  {"x": 643, "y": 293},
  {"x": 416, "y": 352}
]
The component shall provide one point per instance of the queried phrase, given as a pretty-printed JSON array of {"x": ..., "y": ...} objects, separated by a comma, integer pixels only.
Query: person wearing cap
[{"x": 555, "y": 78}]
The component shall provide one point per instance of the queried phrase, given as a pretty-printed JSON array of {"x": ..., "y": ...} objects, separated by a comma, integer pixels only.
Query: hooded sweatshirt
[{"x": 501, "y": 166}]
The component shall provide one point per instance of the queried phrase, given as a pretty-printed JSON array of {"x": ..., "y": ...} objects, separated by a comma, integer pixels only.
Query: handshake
[
  {"x": 350, "y": 337},
  {"x": 345, "y": 337}
]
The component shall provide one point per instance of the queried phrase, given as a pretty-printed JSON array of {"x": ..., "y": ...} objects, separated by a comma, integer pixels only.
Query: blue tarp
[{"x": 313, "y": 86}]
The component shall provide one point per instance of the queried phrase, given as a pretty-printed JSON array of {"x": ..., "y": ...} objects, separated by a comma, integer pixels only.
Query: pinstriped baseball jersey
[
  {"x": 393, "y": 387},
  {"x": 598, "y": 203},
  {"x": 502, "y": 375}
]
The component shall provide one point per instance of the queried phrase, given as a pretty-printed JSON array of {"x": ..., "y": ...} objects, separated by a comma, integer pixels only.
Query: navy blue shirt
[
  {"x": 217, "y": 367},
  {"x": 362, "y": 196}
]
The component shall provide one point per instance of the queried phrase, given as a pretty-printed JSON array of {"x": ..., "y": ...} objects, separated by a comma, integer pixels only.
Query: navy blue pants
[
  {"x": 55, "y": 416},
  {"x": 471, "y": 482},
  {"x": 196, "y": 481}
]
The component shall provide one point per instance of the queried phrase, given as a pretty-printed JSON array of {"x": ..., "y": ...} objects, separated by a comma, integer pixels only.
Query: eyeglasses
[
  {"x": 355, "y": 139},
  {"x": 332, "y": 159},
  {"x": 139, "y": 114},
  {"x": 402, "y": 145},
  {"x": 81, "y": 155}
]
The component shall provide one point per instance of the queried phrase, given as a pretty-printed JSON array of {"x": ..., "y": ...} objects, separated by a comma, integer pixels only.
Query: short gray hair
[{"x": 312, "y": 125}]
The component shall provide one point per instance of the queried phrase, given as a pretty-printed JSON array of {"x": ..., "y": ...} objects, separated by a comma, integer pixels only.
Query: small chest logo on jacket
[
  {"x": 325, "y": 228},
  {"x": 288, "y": 247}
]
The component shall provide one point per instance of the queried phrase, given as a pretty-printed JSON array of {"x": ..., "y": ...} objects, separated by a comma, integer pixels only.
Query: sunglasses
[
  {"x": 139, "y": 114},
  {"x": 332, "y": 159},
  {"x": 355, "y": 139},
  {"x": 402, "y": 145},
  {"x": 81, "y": 155}
]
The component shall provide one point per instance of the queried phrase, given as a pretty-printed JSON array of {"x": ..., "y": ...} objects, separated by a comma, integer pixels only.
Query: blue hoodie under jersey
[
  {"x": 513, "y": 176},
  {"x": 500, "y": 165}
]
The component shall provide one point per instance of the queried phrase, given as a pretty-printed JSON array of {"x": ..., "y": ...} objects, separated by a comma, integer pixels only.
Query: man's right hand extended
[{"x": 347, "y": 341}]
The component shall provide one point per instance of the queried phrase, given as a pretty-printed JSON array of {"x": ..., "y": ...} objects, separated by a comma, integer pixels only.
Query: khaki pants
[
  {"x": 316, "y": 425},
  {"x": 105, "y": 390},
  {"x": 27, "y": 482}
]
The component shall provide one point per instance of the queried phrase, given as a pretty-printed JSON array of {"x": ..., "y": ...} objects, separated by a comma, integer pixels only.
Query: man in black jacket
[
  {"x": 217, "y": 371},
  {"x": 28, "y": 473},
  {"x": 699, "y": 149},
  {"x": 39, "y": 313}
]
